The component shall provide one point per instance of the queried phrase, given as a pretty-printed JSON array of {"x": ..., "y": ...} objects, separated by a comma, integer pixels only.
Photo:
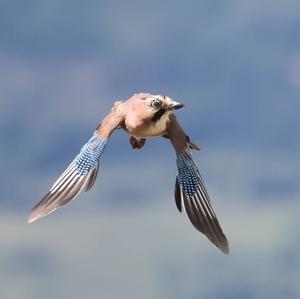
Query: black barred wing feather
[
  {"x": 82, "y": 172},
  {"x": 92, "y": 178},
  {"x": 177, "y": 194},
  {"x": 190, "y": 191},
  {"x": 80, "y": 175}
]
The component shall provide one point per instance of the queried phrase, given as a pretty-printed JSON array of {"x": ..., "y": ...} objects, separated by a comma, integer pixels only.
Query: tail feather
[{"x": 192, "y": 145}]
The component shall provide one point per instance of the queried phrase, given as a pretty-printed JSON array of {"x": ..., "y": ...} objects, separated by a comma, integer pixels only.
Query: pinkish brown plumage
[{"x": 142, "y": 116}]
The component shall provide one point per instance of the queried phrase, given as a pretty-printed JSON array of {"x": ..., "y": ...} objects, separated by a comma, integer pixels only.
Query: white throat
[{"x": 159, "y": 127}]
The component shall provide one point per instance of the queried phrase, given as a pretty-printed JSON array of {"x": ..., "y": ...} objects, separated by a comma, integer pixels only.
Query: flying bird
[{"x": 142, "y": 116}]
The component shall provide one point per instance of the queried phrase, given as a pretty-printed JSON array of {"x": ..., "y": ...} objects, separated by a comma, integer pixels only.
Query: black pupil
[{"x": 156, "y": 104}]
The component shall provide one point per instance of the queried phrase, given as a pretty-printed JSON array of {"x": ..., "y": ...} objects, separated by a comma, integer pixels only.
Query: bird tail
[{"x": 193, "y": 145}]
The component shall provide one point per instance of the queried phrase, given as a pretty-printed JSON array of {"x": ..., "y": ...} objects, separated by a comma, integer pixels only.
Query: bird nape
[{"x": 142, "y": 116}]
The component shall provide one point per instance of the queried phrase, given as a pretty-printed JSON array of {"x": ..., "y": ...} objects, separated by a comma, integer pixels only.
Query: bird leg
[{"x": 137, "y": 143}]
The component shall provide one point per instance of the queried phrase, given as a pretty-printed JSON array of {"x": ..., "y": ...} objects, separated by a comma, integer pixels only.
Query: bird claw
[{"x": 136, "y": 143}]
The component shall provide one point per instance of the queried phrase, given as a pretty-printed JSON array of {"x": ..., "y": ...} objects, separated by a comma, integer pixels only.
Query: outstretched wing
[
  {"x": 191, "y": 192},
  {"x": 81, "y": 173}
]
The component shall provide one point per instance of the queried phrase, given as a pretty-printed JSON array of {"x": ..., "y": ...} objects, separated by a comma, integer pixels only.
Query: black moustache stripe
[{"x": 157, "y": 116}]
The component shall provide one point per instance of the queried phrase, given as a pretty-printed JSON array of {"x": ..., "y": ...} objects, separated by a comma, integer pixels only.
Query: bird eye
[{"x": 156, "y": 104}]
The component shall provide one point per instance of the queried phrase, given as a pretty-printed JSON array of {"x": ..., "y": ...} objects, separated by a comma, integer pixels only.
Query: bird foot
[{"x": 136, "y": 143}]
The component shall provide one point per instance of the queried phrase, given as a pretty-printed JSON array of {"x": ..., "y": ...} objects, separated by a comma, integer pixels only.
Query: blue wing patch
[
  {"x": 89, "y": 155},
  {"x": 187, "y": 174}
]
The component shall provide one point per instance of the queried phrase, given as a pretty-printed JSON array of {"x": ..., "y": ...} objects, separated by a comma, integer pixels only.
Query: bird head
[
  {"x": 159, "y": 102},
  {"x": 158, "y": 105},
  {"x": 151, "y": 106}
]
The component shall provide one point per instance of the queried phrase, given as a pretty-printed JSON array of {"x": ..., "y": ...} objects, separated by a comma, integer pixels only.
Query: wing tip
[
  {"x": 29, "y": 221},
  {"x": 32, "y": 217},
  {"x": 224, "y": 246},
  {"x": 38, "y": 213},
  {"x": 219, "y": 240}
]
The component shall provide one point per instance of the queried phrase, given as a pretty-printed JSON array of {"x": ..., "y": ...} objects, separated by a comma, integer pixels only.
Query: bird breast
[{"x": 148, "y": 128}]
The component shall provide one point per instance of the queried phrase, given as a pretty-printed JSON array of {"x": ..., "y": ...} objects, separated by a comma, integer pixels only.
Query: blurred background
[{"x": 236, "y": 66}]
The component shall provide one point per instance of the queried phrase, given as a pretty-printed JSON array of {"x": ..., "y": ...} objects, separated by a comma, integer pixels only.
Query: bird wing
[
  {"x": 82, "y": 172},
  {"x": 190, "y": 190}
]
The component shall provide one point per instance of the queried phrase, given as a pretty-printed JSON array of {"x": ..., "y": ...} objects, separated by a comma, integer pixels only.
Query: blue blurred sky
[{"x": 236, "y": 66}]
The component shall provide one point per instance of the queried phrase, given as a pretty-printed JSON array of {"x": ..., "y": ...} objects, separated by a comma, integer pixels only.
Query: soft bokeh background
[{"x": 236, "y": 66}]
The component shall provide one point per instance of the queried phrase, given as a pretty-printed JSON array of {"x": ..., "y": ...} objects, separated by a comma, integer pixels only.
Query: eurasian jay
[{"x": 143, "y": 115}]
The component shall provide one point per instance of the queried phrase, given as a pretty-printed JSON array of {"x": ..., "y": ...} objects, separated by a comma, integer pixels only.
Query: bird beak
[
  {"x": 173, "y": 105},
  {"x": 177, "y": 106}
]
